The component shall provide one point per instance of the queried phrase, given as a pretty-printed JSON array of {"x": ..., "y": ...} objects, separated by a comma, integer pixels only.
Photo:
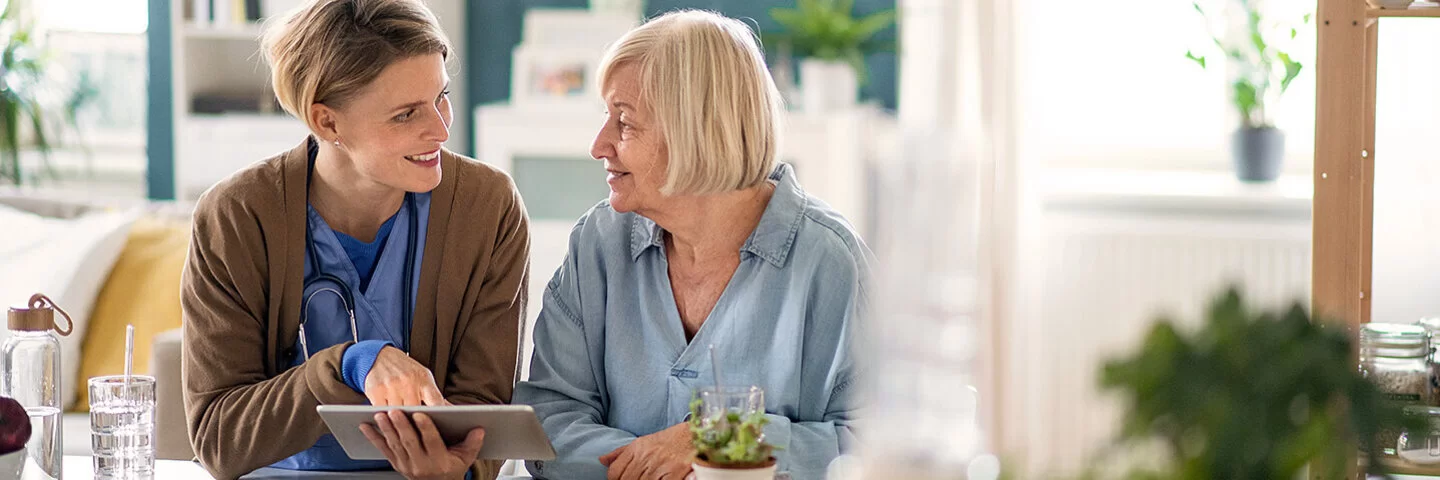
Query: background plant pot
[
  {"x": 707, "y": 471},
  {"x": 11, "y": 464},
  {"x": 1258, "y": 153},
  {"x": 827, "y": 86}
]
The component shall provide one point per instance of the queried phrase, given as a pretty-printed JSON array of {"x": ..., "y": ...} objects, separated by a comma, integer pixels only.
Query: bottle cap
[{"x": 38, "y": 316}]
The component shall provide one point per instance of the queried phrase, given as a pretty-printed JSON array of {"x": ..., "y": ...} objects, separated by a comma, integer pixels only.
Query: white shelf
[
  {"x": 211, "y": 147},
  {"x": 248, "y": 32}
]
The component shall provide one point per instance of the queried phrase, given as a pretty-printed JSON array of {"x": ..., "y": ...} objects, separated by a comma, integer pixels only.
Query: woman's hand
[
  {"x": 417, "y": 452},
  {"x": 663, "y": 455},
  {"x": 398, "y": 380}
]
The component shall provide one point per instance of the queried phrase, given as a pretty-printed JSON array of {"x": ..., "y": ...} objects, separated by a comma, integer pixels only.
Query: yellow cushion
[{"x": 142, "y": 290}]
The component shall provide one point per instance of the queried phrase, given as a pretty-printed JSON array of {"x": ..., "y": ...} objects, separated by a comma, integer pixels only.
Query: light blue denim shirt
[{"x": 611, "y": 362}]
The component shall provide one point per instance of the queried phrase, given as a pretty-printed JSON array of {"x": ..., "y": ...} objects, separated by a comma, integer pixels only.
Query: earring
[{"x": 337, "y": 143}]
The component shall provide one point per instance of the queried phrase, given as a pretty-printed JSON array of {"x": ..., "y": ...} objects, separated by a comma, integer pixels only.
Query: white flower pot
[
  {"x": 703, "y": 472},
  {"x": 827, "y": 86},
  {"x": 11, "y": 464}
]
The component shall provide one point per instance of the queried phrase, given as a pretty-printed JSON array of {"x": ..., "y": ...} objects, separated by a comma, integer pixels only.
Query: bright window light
[
  {"x": 1112, "y": 87},
  {"x": 104, "y": 16}
]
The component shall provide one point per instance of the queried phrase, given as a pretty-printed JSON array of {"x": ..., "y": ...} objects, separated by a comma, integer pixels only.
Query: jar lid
[
  {"x": 1394, "y": 340},
  {"x": 1430, "y": 323}
]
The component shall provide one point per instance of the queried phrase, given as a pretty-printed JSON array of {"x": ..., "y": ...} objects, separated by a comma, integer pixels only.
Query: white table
[{"x": 79, "y": 467}]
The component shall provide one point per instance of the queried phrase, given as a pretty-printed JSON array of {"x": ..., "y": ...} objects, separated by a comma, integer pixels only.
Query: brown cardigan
[{"x": 240, "y": 294}]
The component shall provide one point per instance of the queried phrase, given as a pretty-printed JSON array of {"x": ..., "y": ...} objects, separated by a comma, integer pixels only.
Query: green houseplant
[
  {"x": 31, "y": 102},
  {"x": 732, "y": 443},
  {"x": 1250, "y": 395},
  {"x": 832, "y": 44},
  {"x": 1260, "y": 52}
]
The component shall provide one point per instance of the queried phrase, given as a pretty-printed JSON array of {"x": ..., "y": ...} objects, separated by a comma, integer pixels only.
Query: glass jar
[
  {"x": 1421, "y": 447},
  {"x": 1396, "y": 358},
  {"x": 1432, "y": 324}
]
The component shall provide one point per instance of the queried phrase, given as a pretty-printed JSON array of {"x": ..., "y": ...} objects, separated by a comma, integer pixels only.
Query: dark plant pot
[{"x": 1258, "y": 153}]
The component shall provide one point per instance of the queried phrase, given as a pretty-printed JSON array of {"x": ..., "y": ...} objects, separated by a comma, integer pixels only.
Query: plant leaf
[
  {"x": 1197, "y": 59},
  {"x": 874, "y": 23},
  {"x": 1292, "y": 70}
]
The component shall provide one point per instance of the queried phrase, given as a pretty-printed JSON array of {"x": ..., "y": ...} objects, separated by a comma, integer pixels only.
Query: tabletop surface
[{"x": 79, "y": 467}]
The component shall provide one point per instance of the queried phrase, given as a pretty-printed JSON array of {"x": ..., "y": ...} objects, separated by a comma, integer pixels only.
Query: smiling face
[
  {"x": 631, "y": 144},
  {"x": 392, "y": 129}
]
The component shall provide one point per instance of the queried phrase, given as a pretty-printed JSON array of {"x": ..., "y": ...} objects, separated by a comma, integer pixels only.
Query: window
[
  {"x": 98, "y": 16},
  {"x": 1107, "y": 84},
  {"x": 99, "y": 46}
]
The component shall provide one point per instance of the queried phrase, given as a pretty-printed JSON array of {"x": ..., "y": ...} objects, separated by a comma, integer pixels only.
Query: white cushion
[{"x": 67, "y": 259}]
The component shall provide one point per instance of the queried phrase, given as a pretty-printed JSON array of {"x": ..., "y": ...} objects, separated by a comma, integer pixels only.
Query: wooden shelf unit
[
  {"x": 1415, "y": 11},
  {"x": 1343, "y": 209}
]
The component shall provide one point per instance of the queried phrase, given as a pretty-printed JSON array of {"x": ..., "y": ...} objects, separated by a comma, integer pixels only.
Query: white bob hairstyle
[{"x": 703, "y": 77}]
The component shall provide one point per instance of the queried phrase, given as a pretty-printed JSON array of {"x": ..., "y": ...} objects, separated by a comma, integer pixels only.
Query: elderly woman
[{"x": 703, "y": 241}]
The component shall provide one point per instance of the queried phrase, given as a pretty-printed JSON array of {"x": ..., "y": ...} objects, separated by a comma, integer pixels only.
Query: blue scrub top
[{"x": 378, "y": 311}]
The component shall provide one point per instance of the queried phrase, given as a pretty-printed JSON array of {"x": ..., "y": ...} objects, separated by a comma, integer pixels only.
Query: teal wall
[{"x": 494, "y": 30}]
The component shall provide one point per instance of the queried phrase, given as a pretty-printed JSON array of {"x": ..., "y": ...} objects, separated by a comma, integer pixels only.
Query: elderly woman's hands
[
  {"x": 663, "y": 455},
  {"x": 417, "y": 451},
  {"x": 398, "y": 380}
]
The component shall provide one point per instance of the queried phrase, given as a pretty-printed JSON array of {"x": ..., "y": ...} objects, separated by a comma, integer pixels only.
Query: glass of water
[
  {"x": 717, "y": 402},
  {"x": 122, "y": 426}
]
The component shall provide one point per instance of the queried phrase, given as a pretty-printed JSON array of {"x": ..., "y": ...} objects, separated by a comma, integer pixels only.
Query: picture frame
[{"x": 554, "y": 77}]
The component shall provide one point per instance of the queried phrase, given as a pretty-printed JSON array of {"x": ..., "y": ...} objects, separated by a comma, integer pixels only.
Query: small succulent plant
[
  {"x": 730, "y": 441},
  {"x": 14, "y": 426}
]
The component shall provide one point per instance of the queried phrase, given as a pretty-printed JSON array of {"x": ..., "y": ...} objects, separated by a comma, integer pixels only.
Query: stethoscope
[{"x": 343, "y": 290}]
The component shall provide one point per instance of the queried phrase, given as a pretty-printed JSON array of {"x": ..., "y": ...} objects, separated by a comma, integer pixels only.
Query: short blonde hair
[
  {"x": 326, "y": 51},
  {"x": 704, "y": 78}
]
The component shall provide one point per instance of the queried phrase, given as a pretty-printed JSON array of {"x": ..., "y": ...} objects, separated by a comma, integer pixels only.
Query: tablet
[{"x": 511, "y": 431}]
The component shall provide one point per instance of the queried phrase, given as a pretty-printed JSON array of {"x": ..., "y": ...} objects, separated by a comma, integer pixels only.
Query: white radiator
[{"x": 1098, "y": 278}]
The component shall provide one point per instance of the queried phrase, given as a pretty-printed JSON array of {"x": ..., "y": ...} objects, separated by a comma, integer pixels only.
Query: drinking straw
[
  {"x": 715, "y": 365},
  {"x": 129, "y": 353}
]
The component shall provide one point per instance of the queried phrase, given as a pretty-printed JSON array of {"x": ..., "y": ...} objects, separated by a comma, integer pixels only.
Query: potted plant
[
  {"x": 1263, "y": 72},
  {"x": 14, "y": 433},
  {"x": 730, "y": 446},
  {"x": 32, "y": 101},
  {"x": 1251, "y": 395},
  {"x": 832, "y": 44}
]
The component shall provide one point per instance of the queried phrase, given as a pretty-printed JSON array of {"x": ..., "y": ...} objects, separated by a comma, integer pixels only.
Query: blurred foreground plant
[{"x": 1250, "y": 395}]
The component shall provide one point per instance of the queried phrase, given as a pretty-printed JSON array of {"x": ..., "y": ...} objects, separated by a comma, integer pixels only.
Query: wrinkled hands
[
  {"x": 663, "y": 455},
  {"x": 398, "y": 380}
]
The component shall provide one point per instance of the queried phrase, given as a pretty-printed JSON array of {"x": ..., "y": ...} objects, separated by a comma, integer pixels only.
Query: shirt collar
[{"x": 772, "y": 238}]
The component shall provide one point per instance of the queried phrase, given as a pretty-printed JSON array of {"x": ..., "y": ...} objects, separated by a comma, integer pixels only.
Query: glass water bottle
[{"x": 30, "y": 374}]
